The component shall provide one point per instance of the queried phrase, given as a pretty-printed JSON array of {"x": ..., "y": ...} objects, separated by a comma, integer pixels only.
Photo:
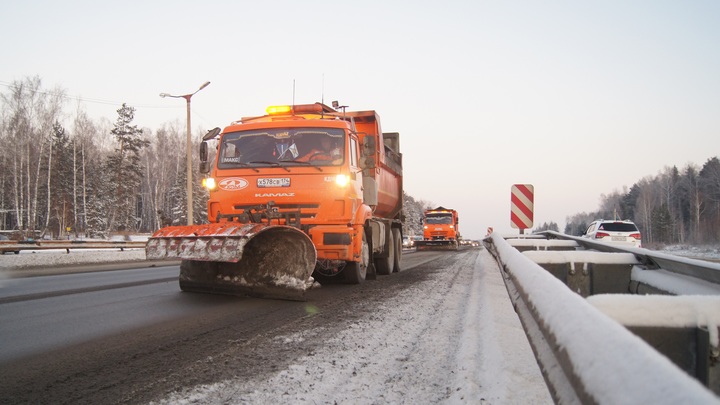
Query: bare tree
[
  {"x": 162, "y": 161},
  {"x": 691, "y": 189},
  {"x": 645, "y": 205},
  {"x": 90, "y": 147},
  {"x": 31, "y": 113},
  {"x": 611, "y": 205},
  {"x": 709, "y": 183}
]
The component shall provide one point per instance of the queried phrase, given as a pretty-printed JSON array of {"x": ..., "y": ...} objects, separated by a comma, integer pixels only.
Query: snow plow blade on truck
[
  {"x": 439, "y": 244},
  {"x": 255, "y": 259}
]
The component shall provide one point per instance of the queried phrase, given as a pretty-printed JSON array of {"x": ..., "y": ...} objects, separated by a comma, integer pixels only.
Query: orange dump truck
[
  {"x": 440, "y": 230},
  {"x": 303, "y": 193}
]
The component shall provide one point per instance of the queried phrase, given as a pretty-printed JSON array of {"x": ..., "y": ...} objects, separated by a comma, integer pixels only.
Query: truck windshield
[
  {"x": 283, "y": 146},
  {"x": 438, "y": 219}
]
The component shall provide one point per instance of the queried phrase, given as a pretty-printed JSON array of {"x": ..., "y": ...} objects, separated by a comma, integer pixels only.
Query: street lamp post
[{"x": 187, "y": 98}]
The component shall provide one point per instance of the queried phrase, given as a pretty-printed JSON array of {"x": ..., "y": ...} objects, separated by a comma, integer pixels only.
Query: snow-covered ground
[
  {"x": 711, "y": 252},
  {"x": 53, "y": 258},
  {"x": 50, "y": 258},
  {"x": 454, "y": 339}
]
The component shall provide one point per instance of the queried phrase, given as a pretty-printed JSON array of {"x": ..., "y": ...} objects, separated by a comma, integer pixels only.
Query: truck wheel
[
  {"x": 355, "y": 272},
  {"x": 397, "y": 263},
  {"x": 384, "y": 265}
]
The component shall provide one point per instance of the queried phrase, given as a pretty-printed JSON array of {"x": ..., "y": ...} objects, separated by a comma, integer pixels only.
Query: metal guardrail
[
  {"x": 698, "y": 269},
  {"x": 568, "y": 336},
  {"x": 67, "y": 245}
]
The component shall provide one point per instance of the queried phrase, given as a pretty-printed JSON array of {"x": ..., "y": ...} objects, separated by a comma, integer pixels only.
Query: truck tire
[
  {"x": 384, "y": 265},
  {"x": 355, "y": 272},
  {"x": 397, "y": 263}
]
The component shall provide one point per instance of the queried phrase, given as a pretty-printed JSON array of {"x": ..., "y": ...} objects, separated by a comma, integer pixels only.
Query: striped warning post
[{"x": 521, "y": 211}]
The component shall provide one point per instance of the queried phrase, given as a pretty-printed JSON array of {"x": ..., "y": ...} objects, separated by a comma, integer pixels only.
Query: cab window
[{"x": 353, "y": 152}]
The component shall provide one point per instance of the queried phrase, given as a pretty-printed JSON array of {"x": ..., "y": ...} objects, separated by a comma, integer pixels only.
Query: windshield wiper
[
  {"x": 267, "y": 162},
  {"x": 246, "y": 165},
  {"x": 299, "y": 162}
]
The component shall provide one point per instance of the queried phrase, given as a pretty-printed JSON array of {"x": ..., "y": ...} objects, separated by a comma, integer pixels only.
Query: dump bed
[{"x": 386, "y": 177}]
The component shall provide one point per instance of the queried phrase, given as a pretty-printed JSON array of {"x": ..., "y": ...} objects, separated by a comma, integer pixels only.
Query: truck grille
[{"x": 307, "y": 211}]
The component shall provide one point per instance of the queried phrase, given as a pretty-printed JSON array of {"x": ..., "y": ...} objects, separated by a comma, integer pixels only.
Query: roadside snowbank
[
  {"x": 711, "y": 252},
  {"x": 28, "y": 259}
]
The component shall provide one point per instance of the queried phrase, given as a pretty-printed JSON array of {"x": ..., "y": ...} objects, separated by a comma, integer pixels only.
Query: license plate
[
  {"x": 618, "y": 239},
  {"x": 274, "y": 182}
]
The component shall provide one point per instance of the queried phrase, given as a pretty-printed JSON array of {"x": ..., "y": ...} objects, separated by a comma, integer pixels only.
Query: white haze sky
[{"x": 578, "y": 99}]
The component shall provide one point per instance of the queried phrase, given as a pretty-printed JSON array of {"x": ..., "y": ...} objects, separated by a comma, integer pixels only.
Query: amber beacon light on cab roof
[{"x": 302, "y": 194}]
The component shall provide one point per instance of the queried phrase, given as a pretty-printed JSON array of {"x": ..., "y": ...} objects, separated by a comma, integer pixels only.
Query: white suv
[{"x": 606, "y": 230}]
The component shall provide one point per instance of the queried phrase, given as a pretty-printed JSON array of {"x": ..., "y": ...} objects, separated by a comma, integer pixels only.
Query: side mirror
[
  {"x": 203, "y": 151},
  {"x": 211, "y": 134},
  {"x": 204, "y": 166},
  {"x": 368, "y": 147},
  {"x": 367, "y": 162}
]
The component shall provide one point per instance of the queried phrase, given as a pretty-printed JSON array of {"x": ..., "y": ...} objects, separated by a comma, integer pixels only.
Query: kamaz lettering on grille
[{"x": 274, "y": 195}]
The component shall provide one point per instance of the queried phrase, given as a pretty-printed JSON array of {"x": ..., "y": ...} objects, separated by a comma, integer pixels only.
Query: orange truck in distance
[
  {"x": 301, "y": 194},
  {"x": 440, "y": 230}
]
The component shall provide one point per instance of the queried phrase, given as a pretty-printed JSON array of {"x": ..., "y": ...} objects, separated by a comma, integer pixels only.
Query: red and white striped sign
[{"x": 521, "y": 211}]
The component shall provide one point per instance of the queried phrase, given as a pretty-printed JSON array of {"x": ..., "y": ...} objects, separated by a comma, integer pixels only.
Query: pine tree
[
  {"x": 60, "y": 182},
  {"x": 125, "y": 171}
]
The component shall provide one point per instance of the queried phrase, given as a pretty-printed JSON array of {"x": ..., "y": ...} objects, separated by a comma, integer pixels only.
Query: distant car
[
  {"x": 605, "y": 230},
  {"x": 5, "y": 238},
  {"x": 407, "y": 242}
]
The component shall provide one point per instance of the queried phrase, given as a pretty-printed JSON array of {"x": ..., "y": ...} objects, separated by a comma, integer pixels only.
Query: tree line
[
  {"x": 675, "y": 206},
  {"x": 86, "y": 178}
]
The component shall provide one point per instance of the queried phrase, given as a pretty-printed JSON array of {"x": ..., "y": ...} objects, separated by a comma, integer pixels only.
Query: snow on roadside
[
  {"x": 27, "y": 259},
  {"x": 452, "y": 339},
  {"x": 702, "y": 252},
  {"x": 59, "y": 257}
]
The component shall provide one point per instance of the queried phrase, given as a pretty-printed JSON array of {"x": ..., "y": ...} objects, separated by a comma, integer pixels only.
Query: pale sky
[{"x": 576, "y": 98}]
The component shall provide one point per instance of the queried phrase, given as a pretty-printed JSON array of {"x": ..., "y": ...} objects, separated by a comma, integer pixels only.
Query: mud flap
[
  {"x": 269, "y": 261},
  {"x": 371, "y": 272}
]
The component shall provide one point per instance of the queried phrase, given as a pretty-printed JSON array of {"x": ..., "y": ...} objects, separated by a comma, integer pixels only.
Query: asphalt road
[{"x": 124, "y": 336}]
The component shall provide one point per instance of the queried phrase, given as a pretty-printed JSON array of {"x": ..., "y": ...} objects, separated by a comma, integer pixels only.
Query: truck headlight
[
  {"x": 209, "y": 183},
  {"x": 342, "y": 180}
]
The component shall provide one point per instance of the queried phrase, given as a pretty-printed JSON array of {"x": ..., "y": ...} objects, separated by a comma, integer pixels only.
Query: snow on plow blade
[{"x": 259, "y": 260}]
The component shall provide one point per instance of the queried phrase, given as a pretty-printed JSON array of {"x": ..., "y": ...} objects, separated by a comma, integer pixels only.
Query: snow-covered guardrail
[
  {"x": 697, "y": 269},
  {"x": 586, "y": 356},
  {"x": 67, "y": 245}
]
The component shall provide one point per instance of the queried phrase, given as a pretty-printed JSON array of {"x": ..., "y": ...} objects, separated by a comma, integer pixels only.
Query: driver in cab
[{"x": 328, "y": 151}]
